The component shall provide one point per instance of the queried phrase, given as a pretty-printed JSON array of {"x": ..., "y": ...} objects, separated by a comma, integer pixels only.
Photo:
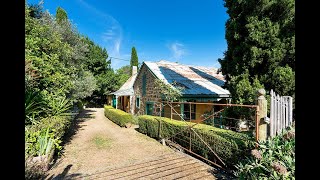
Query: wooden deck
[{"x": 175, "y": 165}]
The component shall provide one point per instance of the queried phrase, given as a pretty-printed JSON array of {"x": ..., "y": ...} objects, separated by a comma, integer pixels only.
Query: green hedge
[
  {"x": 58, "y": 126},
  {"x": 118, "y": 116},
  {"x": 229, "y": 145}
]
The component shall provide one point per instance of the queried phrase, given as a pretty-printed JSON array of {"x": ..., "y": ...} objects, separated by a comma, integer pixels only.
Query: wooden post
[
  {"x": 213, "y": 116},
  {"x": 262, "y": 125},
  {"x": 171, "y": 111},
  {"x": 257, "y": 123},
  {"x": 190, "y": 111},
  {"x": 190, "y": 141},
  {"x": 160, "y": 109}
]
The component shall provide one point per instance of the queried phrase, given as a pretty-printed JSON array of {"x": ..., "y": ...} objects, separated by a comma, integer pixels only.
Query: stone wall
[{"x": 151, "y": 94}]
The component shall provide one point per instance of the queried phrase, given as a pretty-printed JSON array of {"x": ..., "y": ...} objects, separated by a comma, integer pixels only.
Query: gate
[
  {"x": 185, "y": 139},
  {"x": 280, "y": 113}
]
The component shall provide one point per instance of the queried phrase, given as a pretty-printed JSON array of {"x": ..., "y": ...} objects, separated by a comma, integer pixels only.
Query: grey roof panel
[{"x": 198, "y": 80}]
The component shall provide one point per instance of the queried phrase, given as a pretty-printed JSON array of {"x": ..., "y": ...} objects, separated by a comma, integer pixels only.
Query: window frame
[
  {"x": 187, "y": 112},
  {"x": 138, "y": 104}
]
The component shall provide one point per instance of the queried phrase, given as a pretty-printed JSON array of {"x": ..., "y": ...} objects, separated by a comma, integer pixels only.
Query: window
[
  {"x": 149, "y": 108},
  {"x": 144, "y": 84},
  {"x": 186, "y": 111},
  {"x": 138, "y": 102}
]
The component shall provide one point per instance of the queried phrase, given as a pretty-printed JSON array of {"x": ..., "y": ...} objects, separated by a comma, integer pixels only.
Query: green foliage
[
  {"x": 229, "y": 145},
  {"x": 261, "y": 48},
  {"x": 33, "y": 107},
  {"x": 45, "y": 143},
  {"x": 169, "y": 92},
  {"x": 58, "y": 106},
  {"x": 41, "y": 141},
  {"x": 283, "y": 79},
  {"x": 274, "y": 159},
  {"x": 61, "y": 15},
  {"x": 134, "y": 59},
  {"x": 59, "y": 60},
  {"x": 58, "y": 125},
  {"x": 31, "y": 139},
  {"x": 123, "y": 74},
  {"x": 62, "y": 69},
  {"x": 84, "y": 85},
  {"x": 244, "y": 92},
  {"x": 96, "y": 58},
  {"x": 106, "y": 83},
  {"x": 118, "y": 116}
]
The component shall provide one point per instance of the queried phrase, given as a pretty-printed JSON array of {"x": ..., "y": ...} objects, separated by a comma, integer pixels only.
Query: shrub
[
  {"x": 229, "y": 145},
  {"x": 58, "y": 125},
  {"x": 118, "y": 116},
  {"x": 274, "y": 159}
]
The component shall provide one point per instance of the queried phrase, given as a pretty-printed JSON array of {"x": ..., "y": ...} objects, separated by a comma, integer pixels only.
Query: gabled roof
[
  {"x": 127, "y": 88},
  {"x": 196, "y": 80}
]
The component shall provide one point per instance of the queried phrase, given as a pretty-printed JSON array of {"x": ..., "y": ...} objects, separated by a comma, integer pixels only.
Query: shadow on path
[
  {"x": 64, "y": 175},
  {"x": 75, "y": 126}
]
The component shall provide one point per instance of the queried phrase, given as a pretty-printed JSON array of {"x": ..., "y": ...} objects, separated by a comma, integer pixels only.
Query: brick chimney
[{"x": 134, "y": 70}]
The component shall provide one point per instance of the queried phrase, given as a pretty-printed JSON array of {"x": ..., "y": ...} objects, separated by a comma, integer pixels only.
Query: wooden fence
[{"x": 280, "y": 113}]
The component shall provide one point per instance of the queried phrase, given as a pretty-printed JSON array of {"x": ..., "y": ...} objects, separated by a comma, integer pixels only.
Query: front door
[
  {"x": 114, "y": 102},
  {"x": 149, "y": 108}
]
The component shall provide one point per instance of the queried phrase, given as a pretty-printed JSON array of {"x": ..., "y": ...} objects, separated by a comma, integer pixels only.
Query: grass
[{"x": 101, "y": 142}]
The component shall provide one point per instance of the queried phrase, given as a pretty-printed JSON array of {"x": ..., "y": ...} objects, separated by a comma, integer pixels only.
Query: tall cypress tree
[
  {"x": 61, "y": 14},
  {"x": 261, "y": 48},
  {"x": 134, "y": 59}
]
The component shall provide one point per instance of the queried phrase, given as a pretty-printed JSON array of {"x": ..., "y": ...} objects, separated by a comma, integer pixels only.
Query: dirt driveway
[{"x": 99, "y": 145}]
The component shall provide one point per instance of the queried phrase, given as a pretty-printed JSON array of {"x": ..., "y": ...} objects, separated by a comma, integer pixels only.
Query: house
[
  {"x": 123, "y": 98},
  {"x": 201, "y": 84}
]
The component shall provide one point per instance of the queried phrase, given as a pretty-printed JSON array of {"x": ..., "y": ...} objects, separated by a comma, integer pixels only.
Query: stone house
[{"x": 201, "y": 84}]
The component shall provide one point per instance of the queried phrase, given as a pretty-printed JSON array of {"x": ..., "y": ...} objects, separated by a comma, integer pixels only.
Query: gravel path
[{"x": 99, "y": 146}]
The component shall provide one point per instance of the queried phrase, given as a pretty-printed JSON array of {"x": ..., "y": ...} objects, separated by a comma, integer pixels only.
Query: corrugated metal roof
[
  {"x": 127, "y": 88},
  {"x": 197, "y": 80}
]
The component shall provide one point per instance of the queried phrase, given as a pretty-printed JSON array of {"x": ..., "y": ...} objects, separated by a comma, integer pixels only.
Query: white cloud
[
  {"x": 112, "y": 36},
  {"x": 177, "y": 50}
]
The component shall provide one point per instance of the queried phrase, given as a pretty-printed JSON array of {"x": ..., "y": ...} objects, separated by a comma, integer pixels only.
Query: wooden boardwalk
[{"x": 174, "y": 165}]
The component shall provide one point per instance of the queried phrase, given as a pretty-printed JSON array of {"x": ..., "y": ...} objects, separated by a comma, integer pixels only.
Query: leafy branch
[{"x": 169, "y": 92}]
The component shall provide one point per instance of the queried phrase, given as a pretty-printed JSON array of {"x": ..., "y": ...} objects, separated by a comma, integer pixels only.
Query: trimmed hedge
[
  {"x": 118, "y": 116},
  {"x": 229, "y": 145}
]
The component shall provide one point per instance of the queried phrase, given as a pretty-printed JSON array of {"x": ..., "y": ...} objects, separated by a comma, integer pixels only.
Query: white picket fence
[{"x": 280, "y": 113}]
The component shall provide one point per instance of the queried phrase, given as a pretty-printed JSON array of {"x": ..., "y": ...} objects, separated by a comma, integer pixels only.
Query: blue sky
[{"x": 185, "y": 31}]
